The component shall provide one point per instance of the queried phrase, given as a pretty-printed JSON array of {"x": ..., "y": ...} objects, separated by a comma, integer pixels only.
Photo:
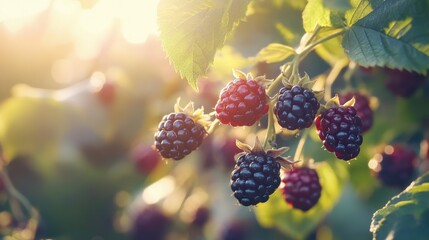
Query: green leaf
[
  {"x": 275, "y": 52},
  {"x": 315, "y": 13},
  {"x": 192, "y": 31},
  {"x": 295, "y": 223},
  {"x": 330, "y": 50},
  {"x": 394, "y": 34},
  {"x": 405, "y": 216},
  {"x": 361, "y": 8},
  {"x": 337, "y": 4}
]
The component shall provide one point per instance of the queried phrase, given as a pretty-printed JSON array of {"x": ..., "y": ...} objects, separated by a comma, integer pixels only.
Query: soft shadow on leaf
[
  {"x": 276, "y": 213},
  {"x": 316, "y": 13}
]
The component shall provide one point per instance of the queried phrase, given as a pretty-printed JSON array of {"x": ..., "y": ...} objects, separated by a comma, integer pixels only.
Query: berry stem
[
  {"x": 213, "y": 126},
  {"x": 273, "y": 89},
  {"x": 270, "y": 138},
  {"x": 332, "y": 76},
  {"x": 300, "y": 145},
  {"x": 310, "y": 47}
]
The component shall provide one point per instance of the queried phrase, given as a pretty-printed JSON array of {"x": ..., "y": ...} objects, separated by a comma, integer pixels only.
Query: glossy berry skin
[
  {"x": 395, "y": 166},
  {"x": 362, "y": 106},
  {"x": 340, "y": 130},
  {"x": 403, "y": 83},
  {"x": 241, "y": 103},
  {"x": 145, "y": 158},
  {"x": 178, "y": 135},
  {"x": 301, "y": 188},
  {"x": 296, "y": 108},
  {"x": 150, "y": 224},
  {"x": 255, "y": 177}
]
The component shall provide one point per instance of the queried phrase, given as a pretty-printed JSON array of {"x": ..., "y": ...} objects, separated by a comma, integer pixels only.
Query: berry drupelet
[
  {"x": 340, "y": 130},
  {"x": 362, "y": 106},
  {"x": 296, "y": 108},
  {"x": 301, "y": 188},
  {"x": 178, "y": 135},
  {"x": 241, "y": 103}
]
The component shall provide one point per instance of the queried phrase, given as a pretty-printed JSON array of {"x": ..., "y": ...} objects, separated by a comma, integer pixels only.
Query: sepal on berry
[
  {"x": 261, "y": 80},
  {"x": 197, "y": 115},
  {"x": 335, "y": 102}
]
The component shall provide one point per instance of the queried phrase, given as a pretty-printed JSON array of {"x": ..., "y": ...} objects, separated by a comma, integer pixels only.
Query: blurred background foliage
[{"x": 83, "y": 85}]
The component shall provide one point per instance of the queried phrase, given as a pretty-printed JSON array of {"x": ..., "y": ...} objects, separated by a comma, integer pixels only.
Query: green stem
[
  {"x": 332, "y": 76},
  {"x": 300, "y": 145},
  {"x": 270, "y": 138},
  {"x": 213, "y": 126},
  {"x": 314, "y": 33},
  {"x": 310, "y": 47}
]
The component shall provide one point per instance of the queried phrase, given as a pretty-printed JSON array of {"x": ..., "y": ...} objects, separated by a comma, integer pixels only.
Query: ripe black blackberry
[
  {"x": 242, "y": 102},
  {"x": 178, "y": 135},
  {"x": 256, "y": 175},
  {"x": 296, "y": 107},
  {"x": 301, "y": 188},
  {"x": 362, "y": 106},
  {"x": 340, "y": 130},
  {"x": 395, "y": 166},
  {"x": 150, "y": 224}
]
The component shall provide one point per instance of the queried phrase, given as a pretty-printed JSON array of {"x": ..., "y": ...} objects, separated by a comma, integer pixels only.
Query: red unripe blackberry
[
  {"x": 150, "y": 224},
  {"x": 403, "y": 83},
  {"x": 395, "y": 166},
  {"x": 178, "y": 135},
  {"x": 255, "y": 177},
  {"x": 296, "y": 108},
  {"x": 301, "y": 188},
  {"x": 340, "y": 130},
  {"x": 145, "y": 158},
  {"x": 362, "y": 106},
  {"x": 241, "y": 103}
]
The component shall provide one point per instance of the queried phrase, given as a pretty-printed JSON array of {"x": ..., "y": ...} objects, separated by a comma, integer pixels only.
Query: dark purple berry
[
  {"x": 362, "y": 106},
  {"x": 241, "y": 103},
  {"x": 201, "y": 217},
  {"x": 150, "y": 224},
  {"x": 301, "y": 188},
  {"x": 340, "y": 130},
  {"x": 395, "y": 166},
  {"x": 296, "y": 108},
  {"x": 145, "y": 158},
  {"x": 255, "y": 177},
  {"x": 403, "y": 83},
  {"x": 178, "y": 135}
]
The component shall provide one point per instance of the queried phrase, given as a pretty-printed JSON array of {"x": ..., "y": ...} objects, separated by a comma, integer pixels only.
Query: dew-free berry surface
[
  {"x": 296, "y": 108},
  {"x": 395, "y": 166},
  {"x": 301, "y": 188},
  {"x": 403, "y": 83},
  {"x": 150, "y": 224},
  {"x": 178, "y": 135},
  {"x": 362, "y": 106},
  {"x": 340, "y": 130},
  {"x": 241, "y": 103},
  {"x": 255, "y": 177}
]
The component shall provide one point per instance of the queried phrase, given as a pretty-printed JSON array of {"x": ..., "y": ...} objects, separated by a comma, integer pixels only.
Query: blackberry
[
  {"x": 145, "y": 158},
  {"x": 150, "y": 224},
  {"x": 403, "y": 83},
  {"x": 301, "y": 188},
  {"x": 178, "y": 135},
  {"x": 340, "y": 130},
  {"x": 362, "y": 106},
  {"x": 241, "y": 103},
  {"x": 255, "y": 177},
  {"x": 395, "y": 166},
  {"x": 296, "y": 108}
]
